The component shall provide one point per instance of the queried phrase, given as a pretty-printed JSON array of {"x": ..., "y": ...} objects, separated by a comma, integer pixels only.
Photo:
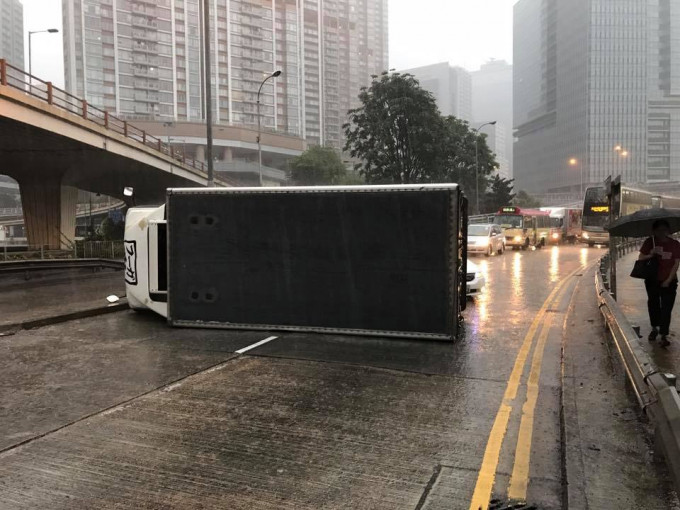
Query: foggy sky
[{"x": 462, "y": 32}]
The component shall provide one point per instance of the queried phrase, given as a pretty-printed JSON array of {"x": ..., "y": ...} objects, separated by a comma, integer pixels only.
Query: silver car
[{"x": 485, "y": 238}]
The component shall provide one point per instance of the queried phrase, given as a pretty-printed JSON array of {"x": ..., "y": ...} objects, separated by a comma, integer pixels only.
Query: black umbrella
[{"x": 639, "y": 224}]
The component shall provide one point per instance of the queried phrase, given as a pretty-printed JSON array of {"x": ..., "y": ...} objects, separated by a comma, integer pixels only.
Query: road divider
[
  {"x": 487, "y": 473},
  {"x": 118, "y": 306}
]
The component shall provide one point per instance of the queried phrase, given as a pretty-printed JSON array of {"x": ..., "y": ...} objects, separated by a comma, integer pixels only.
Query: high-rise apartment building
[
  {"x": 597, "y": 81},
  {"x": 451, "y": 87},
  {"x": 492, "y": 100},
  {"x": 143, "y": 59},
  {"x": 12, "y": 32}
]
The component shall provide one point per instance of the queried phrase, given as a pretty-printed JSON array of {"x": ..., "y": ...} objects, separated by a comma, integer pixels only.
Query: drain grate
[{"x": 497, "y": 504}]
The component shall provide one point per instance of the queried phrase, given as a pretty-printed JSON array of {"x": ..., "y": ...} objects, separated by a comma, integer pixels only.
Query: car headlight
[
  {"x": 585, "y": 235},
  {"x": 555, "y": 235},
  {"x": 518, "y": 238}
]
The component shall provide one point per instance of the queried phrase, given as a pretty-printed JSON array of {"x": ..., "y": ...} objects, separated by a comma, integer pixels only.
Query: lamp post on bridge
[
  {"x": 30, "y": 34},
  {"x": 208, "y": 91}
]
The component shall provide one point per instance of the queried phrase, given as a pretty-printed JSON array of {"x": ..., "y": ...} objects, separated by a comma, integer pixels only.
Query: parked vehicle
[
  {"x": 475, "y": 279},
  {"x": 485, "y": 238}
]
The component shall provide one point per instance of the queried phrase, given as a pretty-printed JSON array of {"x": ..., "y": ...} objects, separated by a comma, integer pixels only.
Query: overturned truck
[{"x": 361, "y": 260}]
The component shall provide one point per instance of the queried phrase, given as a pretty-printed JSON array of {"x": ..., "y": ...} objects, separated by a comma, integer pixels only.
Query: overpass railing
[
  {"x": 111, "y": 250},
  {"x": 11, "y": 211},
  {"x": 16, "y": 78}
]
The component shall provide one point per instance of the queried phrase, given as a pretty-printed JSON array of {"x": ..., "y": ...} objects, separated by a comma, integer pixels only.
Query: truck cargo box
[{"x": 361, "y": 260}]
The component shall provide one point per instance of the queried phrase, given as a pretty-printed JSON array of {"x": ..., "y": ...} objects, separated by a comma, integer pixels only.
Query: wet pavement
[
  {"x": 40, "y": 298},
  {"x": 121, "y": 411},
  {"x": 633, "y": 300}
]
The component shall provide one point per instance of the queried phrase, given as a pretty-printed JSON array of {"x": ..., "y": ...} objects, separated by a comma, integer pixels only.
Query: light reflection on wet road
[{"x": 517, "y": 284}]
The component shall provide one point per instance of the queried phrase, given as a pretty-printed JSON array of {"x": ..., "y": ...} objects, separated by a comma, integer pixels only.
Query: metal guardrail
[
  {"x": 656, "y": 392},
  {"x": 622, "y": 248},
  {"x": 45, "y": 91},
  {"x": 27, "y": 266},
  {"x": 100, "y": 249},
  {"x": 113, "y": 250}
]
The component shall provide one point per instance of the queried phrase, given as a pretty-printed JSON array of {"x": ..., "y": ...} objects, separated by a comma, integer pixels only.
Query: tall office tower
[
  {"x": 596, "y": 82},
  {"x": 492, "y": 100},
  {"x": 143, "y": 59},
  {"x": 451, "y": 87},
  {"x": 12, "y": 32}
]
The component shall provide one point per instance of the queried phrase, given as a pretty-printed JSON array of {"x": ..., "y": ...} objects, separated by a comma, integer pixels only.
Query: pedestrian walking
[{"x": 661, "y": 288}]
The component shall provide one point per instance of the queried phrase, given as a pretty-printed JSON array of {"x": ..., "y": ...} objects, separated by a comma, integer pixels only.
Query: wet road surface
[
  {"x": 39, "y": 298},
  {"x": 121, "y": 411}
]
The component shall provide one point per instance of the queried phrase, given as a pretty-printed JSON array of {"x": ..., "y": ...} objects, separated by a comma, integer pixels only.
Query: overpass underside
[
  {"x": 50, "y": 168},
  {"x": 52, "y": 154}
]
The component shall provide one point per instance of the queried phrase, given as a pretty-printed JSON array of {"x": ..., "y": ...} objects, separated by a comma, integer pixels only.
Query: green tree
[
  {"x": 460, "y": 157},
  {"x": 397, "y": 133},
  {"x": 352, "y": 179},
  {"x": 523, "y": 199},
  {"x": 110, "y": 230},
  {"x": 317, "y": 166},
  {"x": 498, "y": 194}
]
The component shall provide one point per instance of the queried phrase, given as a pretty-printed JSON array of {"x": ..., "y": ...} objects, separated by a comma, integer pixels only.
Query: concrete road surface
[
  {"x": 36, "y": 299},
  {"x": 121, "y": 411}
]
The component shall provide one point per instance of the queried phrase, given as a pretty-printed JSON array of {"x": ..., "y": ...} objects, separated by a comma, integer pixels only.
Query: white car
[
  {"x": 475, "y": 279},
  {"x": 485, "y": 238}
]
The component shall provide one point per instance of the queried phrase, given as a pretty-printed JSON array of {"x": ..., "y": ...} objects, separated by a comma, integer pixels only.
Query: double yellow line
[{"x": 520, "y": 472}]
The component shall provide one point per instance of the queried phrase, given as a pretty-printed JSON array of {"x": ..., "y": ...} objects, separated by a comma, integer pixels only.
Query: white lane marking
[{"x": 256, "y": 344}]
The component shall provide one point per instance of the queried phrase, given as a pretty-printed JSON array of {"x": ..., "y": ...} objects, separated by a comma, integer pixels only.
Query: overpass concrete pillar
[
  {"x": 69, "y": 201},
  {"x": 227, "y": 154},
  {"x": 41, "y": 201}
]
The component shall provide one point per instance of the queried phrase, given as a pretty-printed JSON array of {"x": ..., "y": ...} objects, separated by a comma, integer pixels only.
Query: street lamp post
[
  {"x": 621, "y": 154},
  {"x": 208, "y": 92},
  {"x": 30, "y": 34},
  {"x": 492, "y": 123},
  {"x": 579, "y": 162},
  {"x": 275, "y": 74}
]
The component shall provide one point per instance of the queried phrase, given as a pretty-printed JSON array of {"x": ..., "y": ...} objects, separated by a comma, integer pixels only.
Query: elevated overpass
[{"x": 54, "y": 143}]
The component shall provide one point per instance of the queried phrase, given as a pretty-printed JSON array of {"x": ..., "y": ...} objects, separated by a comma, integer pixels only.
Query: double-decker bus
[
  {"x": 523, "y": 227},
  {"x": 672, "y": 203},
  {"x": 596, "y": 210}
]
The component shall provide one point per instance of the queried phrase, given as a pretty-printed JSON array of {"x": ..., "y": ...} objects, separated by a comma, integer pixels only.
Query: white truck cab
[{"x": 145, "y": 259}]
